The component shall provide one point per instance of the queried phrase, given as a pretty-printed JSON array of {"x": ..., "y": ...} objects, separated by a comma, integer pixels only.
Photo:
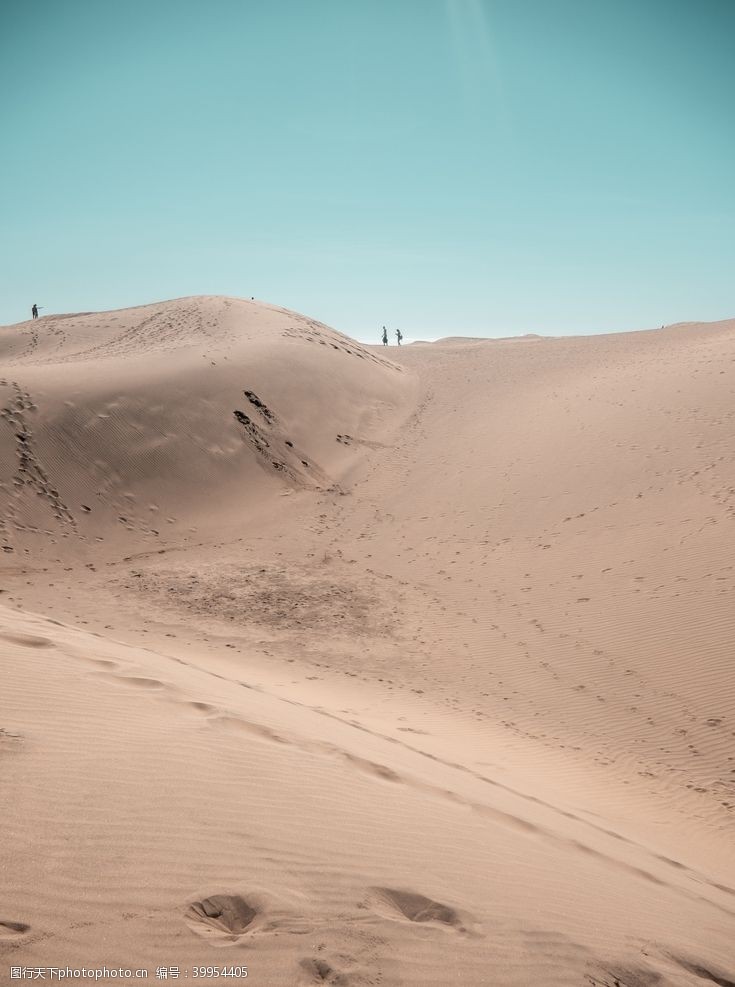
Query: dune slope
[{"x": 358, "y": 666}]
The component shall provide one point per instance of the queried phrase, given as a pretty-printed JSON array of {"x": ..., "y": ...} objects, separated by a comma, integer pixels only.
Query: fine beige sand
[{"x": 366, "y": 666}]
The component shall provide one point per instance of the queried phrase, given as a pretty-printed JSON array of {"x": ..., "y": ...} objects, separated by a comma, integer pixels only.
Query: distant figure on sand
[
  {"x": 385, "y": 336},
  {"x": 34, "y": 311},
  {"x": 399, "y": 336}
]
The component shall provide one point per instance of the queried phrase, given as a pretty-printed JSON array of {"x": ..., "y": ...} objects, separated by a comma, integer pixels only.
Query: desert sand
[{"x": 355, "y": 665}]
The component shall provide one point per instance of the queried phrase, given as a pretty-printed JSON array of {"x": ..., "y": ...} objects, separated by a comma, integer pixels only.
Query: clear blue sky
[{"x": 446, "y": 166}]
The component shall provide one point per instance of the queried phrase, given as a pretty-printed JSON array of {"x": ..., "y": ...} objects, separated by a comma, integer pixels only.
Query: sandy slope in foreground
[{"x": 366, "y": 667}]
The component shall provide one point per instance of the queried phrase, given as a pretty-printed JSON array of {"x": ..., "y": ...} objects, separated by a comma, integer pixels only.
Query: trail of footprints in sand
[
  {"x": 30, "y": 476},
  {"x": 227, "y": 919},
  {"x": 168, "y": 328},
  {"x": 274, "y": 449},
  {"x": 226, "y": 916},
  {"x": 316, "y": 332},
  {"x": 30, "y": 347},
  {"x": 220, "y": 718}
]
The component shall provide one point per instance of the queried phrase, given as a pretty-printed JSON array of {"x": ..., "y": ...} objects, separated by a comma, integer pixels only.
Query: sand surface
[{"x": 354, "y": 665}]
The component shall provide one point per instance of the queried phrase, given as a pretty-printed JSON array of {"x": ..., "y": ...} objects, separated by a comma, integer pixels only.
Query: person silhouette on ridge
[
  {"x": 34, "y": 311},
  {"x": 385, "y": 336},
  {"x": 399, "y": 336}
]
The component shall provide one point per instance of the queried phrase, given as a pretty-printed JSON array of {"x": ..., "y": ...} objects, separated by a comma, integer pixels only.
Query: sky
[{"x": 449, "y": 167}]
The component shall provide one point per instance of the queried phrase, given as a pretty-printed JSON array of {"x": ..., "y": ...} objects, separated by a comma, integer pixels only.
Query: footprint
[
  {"x": 628, "y": 977},
  {"x": 139, "y": 681},
  {"x": 28, "y": 640},
  {"x": 703, "y": 972},
  {"x": 200, "y": 707},
  {"x": 11, "y": 930},
  {"x": 262, "y": 408},
  {"x": 415, "y": 907},
  {"x": 315, "y": 971},
  {"x": 257, "y": 729},
  {"x": 371, "y": 768},
  {"x": 10, "y": 743},
  {"x": 221, "y": 916}
]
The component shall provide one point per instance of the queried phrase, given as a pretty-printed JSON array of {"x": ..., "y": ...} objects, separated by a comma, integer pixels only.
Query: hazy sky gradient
[{"x": 446, "y": 166}]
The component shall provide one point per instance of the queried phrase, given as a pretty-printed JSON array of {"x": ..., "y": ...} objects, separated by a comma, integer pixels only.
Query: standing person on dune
[
  {"x": 34, "y": 310},
  {"x": 385, "y": 336},
  {"x": 399, "y": 336}
]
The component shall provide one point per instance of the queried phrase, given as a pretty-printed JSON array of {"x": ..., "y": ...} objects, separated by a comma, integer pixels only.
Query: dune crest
[{"x": 174, "y": 405}]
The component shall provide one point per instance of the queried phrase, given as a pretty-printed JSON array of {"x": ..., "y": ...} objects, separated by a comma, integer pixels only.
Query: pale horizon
[{"x": 367, "y": 336}]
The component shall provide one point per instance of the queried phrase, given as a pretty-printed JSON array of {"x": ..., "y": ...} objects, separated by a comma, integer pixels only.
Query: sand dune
[{"x": 364, "y": 666}]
